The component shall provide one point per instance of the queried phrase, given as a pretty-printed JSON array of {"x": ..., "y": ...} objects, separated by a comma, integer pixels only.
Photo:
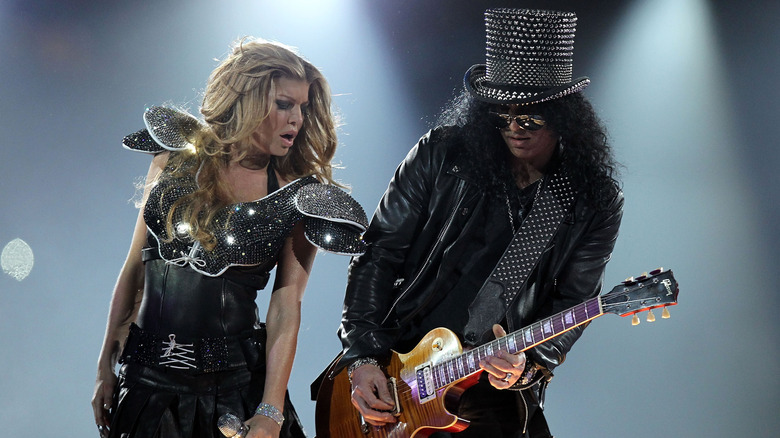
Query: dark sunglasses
[{"x": 529, "y": 122}]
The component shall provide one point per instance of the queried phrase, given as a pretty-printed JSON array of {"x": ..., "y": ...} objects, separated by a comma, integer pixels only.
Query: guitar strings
[
  {"x": 407, "y": 395},
  {"x": 626, "y": 304},
  {"x": 513, "y": 342}
]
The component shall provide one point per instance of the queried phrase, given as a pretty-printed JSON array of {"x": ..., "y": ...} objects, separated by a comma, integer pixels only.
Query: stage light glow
[
  {"x": 662, "y": 86},
  {"x": 17, "y": 259}
]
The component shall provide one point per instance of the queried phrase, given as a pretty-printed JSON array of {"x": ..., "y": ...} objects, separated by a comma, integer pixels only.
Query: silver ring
[{"x": 507, "y": 377}]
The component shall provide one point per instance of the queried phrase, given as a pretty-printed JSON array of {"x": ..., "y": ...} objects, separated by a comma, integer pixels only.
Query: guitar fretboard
[{"x": 449, "y": 371}]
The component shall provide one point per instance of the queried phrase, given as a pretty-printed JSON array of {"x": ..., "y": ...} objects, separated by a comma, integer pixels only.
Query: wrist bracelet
[
  {"x": 360, "y": 362},
  {"x": 528, "y": 373},
  {"x": 529, "y": 376},
  {"x": 271, "y": 412}
]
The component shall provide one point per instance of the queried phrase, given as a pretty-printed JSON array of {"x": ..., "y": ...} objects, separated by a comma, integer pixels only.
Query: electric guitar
[{"x": 431, "y": 378}]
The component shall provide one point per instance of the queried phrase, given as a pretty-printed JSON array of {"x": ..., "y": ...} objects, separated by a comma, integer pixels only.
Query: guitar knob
[
  {"x": 650, "y": 316},
  {"x": 635, "y": 320},
  {"x": 665, "y": 314}
]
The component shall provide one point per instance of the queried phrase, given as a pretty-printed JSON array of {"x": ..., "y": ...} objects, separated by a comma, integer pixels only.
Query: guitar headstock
[{"x": 646, "y": 292}]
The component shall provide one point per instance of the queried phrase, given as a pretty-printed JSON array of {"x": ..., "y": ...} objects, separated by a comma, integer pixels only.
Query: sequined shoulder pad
[
  {"x": 335, "y": 221},
  {"x": 166, "y": 129}
]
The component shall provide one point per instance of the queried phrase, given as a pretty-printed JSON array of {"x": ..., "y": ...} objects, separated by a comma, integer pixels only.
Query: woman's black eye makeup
[{"x": 284, "y": 104}]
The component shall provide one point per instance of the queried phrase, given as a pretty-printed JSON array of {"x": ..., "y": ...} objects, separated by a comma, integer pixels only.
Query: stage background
[{"x": 686, "y": 87}]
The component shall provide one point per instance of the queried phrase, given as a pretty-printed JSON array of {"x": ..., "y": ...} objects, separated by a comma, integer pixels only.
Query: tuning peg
[
  {"x": 650, "y": 316},
  {"x": 665, "y": 314},
  {"x": 657, "y": 271},
  {"x": 635, "y": 320},
  {"x": 628, "y": 280}
]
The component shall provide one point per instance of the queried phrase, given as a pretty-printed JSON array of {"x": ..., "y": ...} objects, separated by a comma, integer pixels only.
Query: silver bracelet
[
  {"x": 359, "y": 363},
  {"x": 271, "y": 412}
]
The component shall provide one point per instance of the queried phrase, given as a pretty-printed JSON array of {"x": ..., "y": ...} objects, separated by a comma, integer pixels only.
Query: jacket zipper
[{"x": 461, "y": 196}]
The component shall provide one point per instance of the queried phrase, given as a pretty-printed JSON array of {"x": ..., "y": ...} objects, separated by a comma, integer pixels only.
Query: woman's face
[
  {"x": 533, "y": 146},
  {"x": 276, "y": 134}
]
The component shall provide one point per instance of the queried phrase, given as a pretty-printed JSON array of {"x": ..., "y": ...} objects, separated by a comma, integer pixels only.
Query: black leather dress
[{"x": 196, "y": 350}]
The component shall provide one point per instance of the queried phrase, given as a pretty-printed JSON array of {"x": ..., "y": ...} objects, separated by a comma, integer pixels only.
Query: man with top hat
[{"x": 504, "y": 214}]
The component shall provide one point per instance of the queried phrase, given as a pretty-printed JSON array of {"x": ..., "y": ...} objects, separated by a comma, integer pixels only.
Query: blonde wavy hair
[{"x": 239, "y": 96}]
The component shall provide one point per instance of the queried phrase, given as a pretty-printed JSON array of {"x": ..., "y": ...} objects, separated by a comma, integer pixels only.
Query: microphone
[{"x": 232, "y": 426}]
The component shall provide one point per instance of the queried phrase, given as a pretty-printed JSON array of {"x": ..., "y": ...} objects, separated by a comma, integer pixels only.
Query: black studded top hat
[{"x": 529, "y": 57}]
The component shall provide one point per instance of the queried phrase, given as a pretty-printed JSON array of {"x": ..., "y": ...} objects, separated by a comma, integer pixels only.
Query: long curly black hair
[{"x": 584, "y": 149}]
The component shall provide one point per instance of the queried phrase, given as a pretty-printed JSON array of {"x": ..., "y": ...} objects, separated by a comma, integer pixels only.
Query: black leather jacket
[{"x": 413, "y": 245}]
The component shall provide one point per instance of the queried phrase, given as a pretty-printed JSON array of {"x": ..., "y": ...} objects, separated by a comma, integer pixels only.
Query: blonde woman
[{"x": 227, "y": 199}]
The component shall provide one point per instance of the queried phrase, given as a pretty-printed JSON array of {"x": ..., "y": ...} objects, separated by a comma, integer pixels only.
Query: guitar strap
[{"x": 521, "y": 256}]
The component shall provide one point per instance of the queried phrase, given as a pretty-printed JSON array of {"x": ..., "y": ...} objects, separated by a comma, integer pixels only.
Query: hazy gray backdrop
[{"x": 687, "y": 87}]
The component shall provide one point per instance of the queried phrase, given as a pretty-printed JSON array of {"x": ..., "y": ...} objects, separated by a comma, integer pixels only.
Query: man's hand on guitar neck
[
  {"x": 504, "y": 369},
  {"x": 371, "y": 396}
]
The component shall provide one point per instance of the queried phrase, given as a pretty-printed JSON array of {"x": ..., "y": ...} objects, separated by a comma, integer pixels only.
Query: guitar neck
[{"x": 466, "y": 364}]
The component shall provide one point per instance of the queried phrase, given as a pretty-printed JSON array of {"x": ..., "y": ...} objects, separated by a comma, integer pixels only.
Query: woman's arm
[
  {"x": 125, "y": 301},
  {"x": 282, "y": 322}
]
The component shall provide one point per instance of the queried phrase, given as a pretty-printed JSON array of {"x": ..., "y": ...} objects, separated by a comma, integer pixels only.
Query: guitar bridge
[
  {"x": 365, "y": 428},
  {"x": 392, "y": 387}
]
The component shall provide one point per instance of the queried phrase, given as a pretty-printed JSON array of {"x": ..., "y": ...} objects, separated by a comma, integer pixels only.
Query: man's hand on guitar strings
[
  {"x": 370, "y": 395},
  {"x": 504, "y": 369}
]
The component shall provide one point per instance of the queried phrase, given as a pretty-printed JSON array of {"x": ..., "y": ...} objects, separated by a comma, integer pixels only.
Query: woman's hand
[
  {"x": 125, "y": 302},
  {"x": 105, "y": 383},
  {"x": 371, "y": 396},
  {"x": 504, "y": 369},
  {"x": 261, "y": 426}
]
